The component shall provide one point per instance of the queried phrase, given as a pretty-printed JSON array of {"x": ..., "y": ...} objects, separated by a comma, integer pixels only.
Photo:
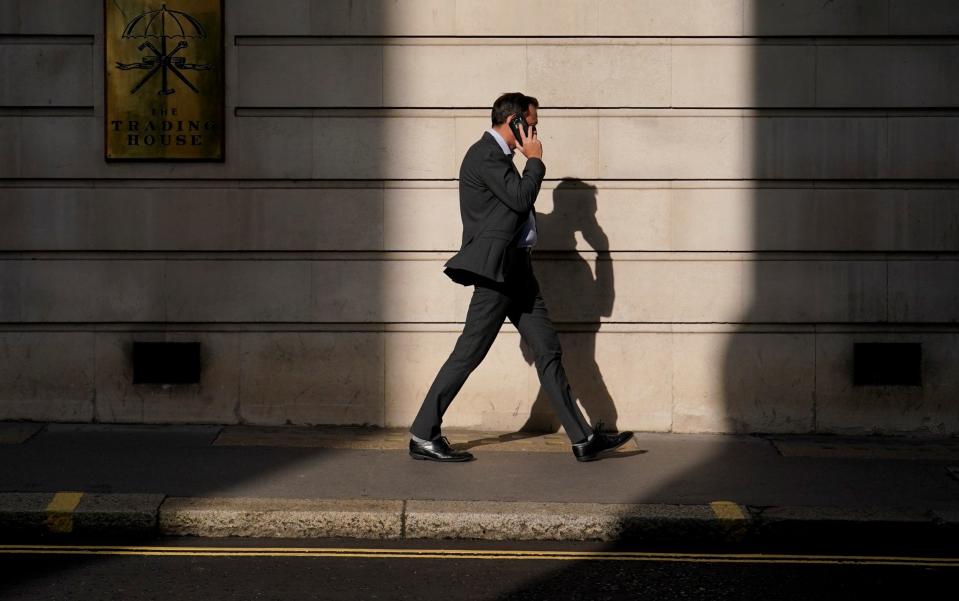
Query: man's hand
[{"x": 530, "y": 144}]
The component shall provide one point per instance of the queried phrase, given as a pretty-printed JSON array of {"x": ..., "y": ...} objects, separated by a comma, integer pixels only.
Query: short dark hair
[{"x": 511, "y": 103}]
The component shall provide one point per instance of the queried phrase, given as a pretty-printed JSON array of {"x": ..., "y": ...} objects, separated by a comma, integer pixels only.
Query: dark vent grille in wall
[
  {"x": 887, "y": 363},
  {"x": 166, "y": 362}
]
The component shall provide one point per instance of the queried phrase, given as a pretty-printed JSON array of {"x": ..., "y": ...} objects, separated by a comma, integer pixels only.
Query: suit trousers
[{"x": 520, "y": 300}]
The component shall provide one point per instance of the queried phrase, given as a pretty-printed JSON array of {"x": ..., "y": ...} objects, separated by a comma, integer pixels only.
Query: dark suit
[{"x": 495, "y": 202}]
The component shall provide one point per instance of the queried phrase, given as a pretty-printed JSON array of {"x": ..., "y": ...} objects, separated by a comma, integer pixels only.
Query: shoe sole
[
  {"x": 425, "y": 458},
  {"x": 597, "y": 455}
]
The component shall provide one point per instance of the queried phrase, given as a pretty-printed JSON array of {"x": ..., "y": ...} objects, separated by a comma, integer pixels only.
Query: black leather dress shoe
[
  {"x": 588, "y": 451},
  {"x": 438, "y": 449}
]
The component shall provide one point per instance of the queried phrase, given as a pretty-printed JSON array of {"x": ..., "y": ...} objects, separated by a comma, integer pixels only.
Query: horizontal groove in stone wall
[
  {"x": 187, "y": 183},
  {"x": 41, "y": 38},
  {"x": 614, "y": 256},
  {"x": 47, "y": 111},
  {"x": 605, "y": 327},
  {"x": 589, "y": 40},
  {"x": 591, "y": 112}
]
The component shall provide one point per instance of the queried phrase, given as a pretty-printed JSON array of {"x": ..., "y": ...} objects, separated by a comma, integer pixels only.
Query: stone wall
[{"x": 753, "y": 186}]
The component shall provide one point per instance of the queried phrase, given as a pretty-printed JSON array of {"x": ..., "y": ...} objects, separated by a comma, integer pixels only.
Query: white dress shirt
[{"x": 528, "y": 236}]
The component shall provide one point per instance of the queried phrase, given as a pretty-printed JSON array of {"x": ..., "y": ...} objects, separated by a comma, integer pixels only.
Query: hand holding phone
[
  {"x": 527, "y": 143},
  {"x": 516, "y": 123}
]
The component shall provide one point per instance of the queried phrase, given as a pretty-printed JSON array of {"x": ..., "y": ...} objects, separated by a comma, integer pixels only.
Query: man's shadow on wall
[{"x": 572, "y": 291}]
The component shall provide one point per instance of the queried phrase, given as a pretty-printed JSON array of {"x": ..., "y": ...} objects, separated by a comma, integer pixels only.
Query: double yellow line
[{"x": 467, "y": 554}]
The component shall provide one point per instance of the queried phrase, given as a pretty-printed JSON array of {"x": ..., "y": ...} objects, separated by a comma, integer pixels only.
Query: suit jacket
[{"x": 495, "y": 202}]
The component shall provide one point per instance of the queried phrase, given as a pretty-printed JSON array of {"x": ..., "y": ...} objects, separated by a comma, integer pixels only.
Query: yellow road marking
[
  {"x": 478, "y": 554},
  {"x": 727, "y": 510},
  {"x": 60, "y": 511}
]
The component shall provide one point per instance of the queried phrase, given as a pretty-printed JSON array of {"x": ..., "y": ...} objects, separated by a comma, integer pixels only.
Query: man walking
[{"x": 499, "y": 231}]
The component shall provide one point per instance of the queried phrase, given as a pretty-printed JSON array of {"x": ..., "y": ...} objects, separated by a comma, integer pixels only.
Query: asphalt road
[{"x": 186, "y": 568}]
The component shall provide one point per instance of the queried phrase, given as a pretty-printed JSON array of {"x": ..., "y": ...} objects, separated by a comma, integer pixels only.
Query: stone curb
[
  {"x": 69, "y": 512},
  {"x": 116, "y": 514},
  {"x": 563, "y": 521},
  {"x": 817, "y": 523},
  {"x": 281, "y": 518}
]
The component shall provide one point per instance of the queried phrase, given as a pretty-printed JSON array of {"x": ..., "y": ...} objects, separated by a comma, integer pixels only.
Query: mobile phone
[{"x": 514, "y": 125}]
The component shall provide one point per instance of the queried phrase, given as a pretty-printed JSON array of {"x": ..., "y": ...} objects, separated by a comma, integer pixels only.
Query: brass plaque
[{"x": 164, "y": 79}]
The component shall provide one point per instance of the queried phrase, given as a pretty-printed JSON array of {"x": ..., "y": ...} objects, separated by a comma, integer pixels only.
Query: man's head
[{"x": 508, "y": 105}]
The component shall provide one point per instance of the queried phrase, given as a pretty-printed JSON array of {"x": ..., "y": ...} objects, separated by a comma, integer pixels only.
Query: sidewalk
[{"x": 208, "y": 480}]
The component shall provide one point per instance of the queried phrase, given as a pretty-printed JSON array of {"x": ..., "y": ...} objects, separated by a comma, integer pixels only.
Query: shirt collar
[{"x": 499, "y": 139}]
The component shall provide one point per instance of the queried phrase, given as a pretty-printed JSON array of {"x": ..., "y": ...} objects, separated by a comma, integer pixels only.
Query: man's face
[{"x": 531, "y": 118}]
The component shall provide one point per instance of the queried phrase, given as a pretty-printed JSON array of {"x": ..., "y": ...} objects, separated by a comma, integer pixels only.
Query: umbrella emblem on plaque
[{"x": 164, "y": 24}]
